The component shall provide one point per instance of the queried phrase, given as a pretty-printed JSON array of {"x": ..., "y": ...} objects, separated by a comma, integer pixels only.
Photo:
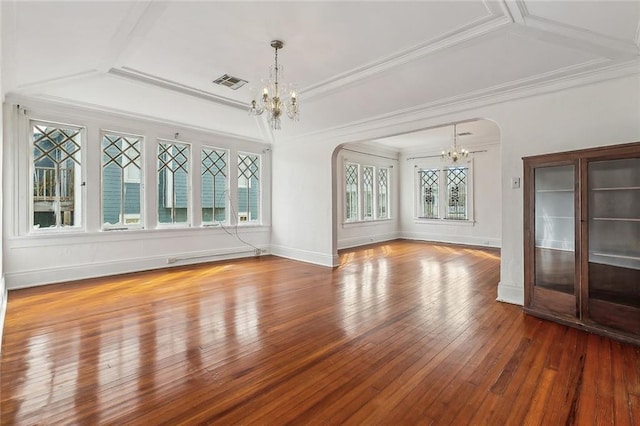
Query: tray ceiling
[{"x": 351, "y": 61}]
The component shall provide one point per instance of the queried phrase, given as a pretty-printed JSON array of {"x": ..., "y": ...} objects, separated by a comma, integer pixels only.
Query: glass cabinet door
[
  {"x": 555, "y": 228},
  {"x": 614, "y": 242}
]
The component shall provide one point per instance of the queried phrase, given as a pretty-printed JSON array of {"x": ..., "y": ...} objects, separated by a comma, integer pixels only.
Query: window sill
[
  {"x": 451, "y": 222},
  {"x": 132, "y": 234},
  {"x": 360, "y": 223}
]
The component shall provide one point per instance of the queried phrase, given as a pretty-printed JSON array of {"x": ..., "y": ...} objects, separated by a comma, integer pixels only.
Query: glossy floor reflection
[{"x": 400, "y": 333}]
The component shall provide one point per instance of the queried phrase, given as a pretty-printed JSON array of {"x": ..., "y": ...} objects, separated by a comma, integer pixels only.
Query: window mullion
[{"x": 442, "y": 193}]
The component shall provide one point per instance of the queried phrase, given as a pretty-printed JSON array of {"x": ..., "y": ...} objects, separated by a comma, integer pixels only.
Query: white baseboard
[
  {"x": 453, "y": 239},
  {"x": 3, "y": 307},
  {"x": 510, "y": 294},
  {"x": 316, "y": 258},
  {"x": 24, "y": 279},
  {"x": 367, "y": 239}
]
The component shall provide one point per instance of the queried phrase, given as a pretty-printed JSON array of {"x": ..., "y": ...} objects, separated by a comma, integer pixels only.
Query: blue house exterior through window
[
  {"x": 248, "y": 188},
  {"x": 173, "y": 182},
  {"x": 121, "y": 196}
]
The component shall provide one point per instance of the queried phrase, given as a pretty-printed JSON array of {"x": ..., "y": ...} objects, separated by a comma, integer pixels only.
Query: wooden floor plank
[{"x": 400, "y": 333}]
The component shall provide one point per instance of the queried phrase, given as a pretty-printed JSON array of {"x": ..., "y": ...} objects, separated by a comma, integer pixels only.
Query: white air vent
[{"x": 232, "y": 82}]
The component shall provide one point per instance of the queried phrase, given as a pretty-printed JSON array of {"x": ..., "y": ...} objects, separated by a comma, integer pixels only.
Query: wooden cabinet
[{"x": 582, "y": 239}]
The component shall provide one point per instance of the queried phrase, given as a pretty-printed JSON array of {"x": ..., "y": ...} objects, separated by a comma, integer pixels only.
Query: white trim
[
  {"x": 51, "y": 105},
  {"x": 363, "y": 223},
  {"x": 409, "y": 119},
  {"x": 510, "y": 294},
  {"x": 44, "y": 276},
  {"x": 454, "y": 222},
  {"x": 3, "y": 307},
  {"x": 369, "y": 239},
  {"x": 112, "y": 236},
  {"x": 453, "y": 239},
  {"x": 469, "y": 31},
  {"x": 142, "y": 77},
  {"x": 307, "y": 256}
]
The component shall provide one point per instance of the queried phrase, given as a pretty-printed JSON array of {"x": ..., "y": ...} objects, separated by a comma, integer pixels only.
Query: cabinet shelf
[
  {"x": 620, "y": 188},
  {"x": 543, "y": 191},
  {"x": 616, "y": 219},
  {"x": 613, "y": 255}
]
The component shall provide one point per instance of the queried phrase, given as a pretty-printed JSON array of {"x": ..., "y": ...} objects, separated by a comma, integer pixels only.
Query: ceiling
[
  {"x": 469, "y": 134},
  {"x": 354, "y": 63}
]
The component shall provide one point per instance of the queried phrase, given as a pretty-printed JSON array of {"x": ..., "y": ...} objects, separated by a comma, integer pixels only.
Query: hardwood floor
[{"x": 400, "y": 333}]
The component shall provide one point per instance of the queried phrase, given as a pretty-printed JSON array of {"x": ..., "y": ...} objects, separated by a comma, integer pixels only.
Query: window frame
[
  {"x": 238, "y": 213},
  {"x": 79, "y": 179},
  {"x": 227, "y": 198},
  {"x": 189, "y": 170},
  {"x": 360, "y": 192},
  {"x": 442, "y": 168},
  {"x": 141, "y": 181},
  {"x": 358, "y": 208},
  {"x": 387, "y": 191}
]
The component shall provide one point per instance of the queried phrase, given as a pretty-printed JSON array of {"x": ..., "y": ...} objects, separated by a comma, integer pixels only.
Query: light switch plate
[{"x": 515, "y": 182}]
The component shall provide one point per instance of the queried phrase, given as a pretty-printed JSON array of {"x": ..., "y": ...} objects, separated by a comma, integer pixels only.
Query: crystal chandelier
[
  {"x": 277, "y": 97},
  {"x": 454, "y": 154}
]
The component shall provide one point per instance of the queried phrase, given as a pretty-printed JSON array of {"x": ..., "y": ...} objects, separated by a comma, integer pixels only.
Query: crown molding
[
  {"x": 397, "y": 121},
  {"x": 57, "y": 81},
  {"x": 90, "y": 109},
  {"x": 469, "y": 31},
  {"x": 578, "y": 37},
  {"x": 139, "y": 76},
  {"x": 516, "y": 9}
]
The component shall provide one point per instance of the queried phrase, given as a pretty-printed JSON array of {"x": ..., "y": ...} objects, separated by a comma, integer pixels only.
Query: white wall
[
  {"x": 551, "y": 118},
  {"x": 302, "y": 211},
  {"x": 373, "y": 231},
  {"x": 594, "y": 115},
  {"x": 484, "y": 229},
  {"x": 34, "y": 258}
]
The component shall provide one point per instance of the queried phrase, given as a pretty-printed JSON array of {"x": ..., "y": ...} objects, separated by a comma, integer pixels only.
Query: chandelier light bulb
[
  {"x": 275, "y": 104},
  {"x": 454, "y": 154}
]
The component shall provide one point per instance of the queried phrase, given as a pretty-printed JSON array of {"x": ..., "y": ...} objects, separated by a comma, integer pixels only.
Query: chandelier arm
[{"x": 276, "y": 105}]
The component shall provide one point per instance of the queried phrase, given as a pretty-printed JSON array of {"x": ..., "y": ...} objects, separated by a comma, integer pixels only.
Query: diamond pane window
[
  {"x": 351, "y": 190},
  {"x": 383, "y": 191},
  {"x": 121, "y": 195},
  {"x": 248, "y": 188},
  {"x": 173, "y": 182},
  {"x": 429, "y": 193},
  {"x": 456, "y": 193},
  {"x": 214, "y": 185},
  {"x": 367, "y": 190},
  {"x": 57, "y": 175}
]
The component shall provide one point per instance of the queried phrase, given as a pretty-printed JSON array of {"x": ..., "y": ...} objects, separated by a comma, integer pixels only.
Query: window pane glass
[
  {"x": 456, "y": 193},
  {"x": 57, "y": 175},
  {"x": 248, "y": 188},
  {"x": 214, "y": 185},
  {"x": 173, "y": 183},
  {"x": 383, "y": 190},
  {"x": 429, "y": 193},
  {"x": 367, "y": 189},
  {"x": 351, "y": 190},
  {"x": 121, "y": 180}
]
